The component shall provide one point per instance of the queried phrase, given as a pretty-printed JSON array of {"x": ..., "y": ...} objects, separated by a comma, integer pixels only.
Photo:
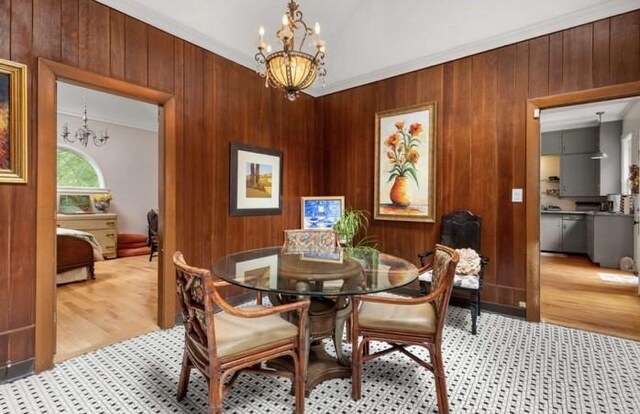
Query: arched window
[{"x": 78, "y": 172}]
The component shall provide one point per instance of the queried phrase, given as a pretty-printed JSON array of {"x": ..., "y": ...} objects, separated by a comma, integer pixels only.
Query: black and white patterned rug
[{"x": 511, "y": 366}]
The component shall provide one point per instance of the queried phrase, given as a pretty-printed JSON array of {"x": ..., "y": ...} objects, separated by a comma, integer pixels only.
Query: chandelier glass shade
[
  {"x": 291, "y": 69},
  {"x": 84, "y": 133}
]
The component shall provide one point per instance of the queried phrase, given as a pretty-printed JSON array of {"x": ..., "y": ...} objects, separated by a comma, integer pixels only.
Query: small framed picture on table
[{"x": 321, "y": 212}]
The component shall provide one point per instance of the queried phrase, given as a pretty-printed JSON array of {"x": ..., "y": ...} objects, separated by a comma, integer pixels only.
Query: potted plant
[{"x": 352, "y": 223}]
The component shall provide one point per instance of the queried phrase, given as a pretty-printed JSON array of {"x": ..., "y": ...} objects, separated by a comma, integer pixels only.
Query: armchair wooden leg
[
  {"x": 185, "y": 373},
  {"x": 356, "y": 367},
  {"x": 215, "y": 395},
  {"x": 479, "y": 301},
  {"x": 441, "y": 382},
  {"x": 299, "y": 384}
]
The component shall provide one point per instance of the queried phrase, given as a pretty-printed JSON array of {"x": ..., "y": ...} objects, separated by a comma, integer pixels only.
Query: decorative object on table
[
  {"x": 291, "y": 69},
  {"x": 13, "y": 122},
  {"x": 256, "y": 181},
  {"x": 102, "y": 201},
  {"x": 462, "y": 230},
  {"x": 310, "y": 241},
  {"x": 404, "y": 324},
  {"x": 321, "y": 212},
  {"x": 405, "y": 164},
  {"x": 223, "y": 344},
  {"x": 83, "y": 133}
]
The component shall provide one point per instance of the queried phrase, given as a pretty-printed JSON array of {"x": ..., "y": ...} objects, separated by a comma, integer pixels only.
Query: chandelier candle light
[
  {"x": 83, "y": 133},
  {"x": 291, "y": 69}
]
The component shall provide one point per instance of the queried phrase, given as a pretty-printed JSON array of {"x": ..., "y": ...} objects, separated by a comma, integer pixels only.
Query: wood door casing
[{"x": 48, "y": 73}]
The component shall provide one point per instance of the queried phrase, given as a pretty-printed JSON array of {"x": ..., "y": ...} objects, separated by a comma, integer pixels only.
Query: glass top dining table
[
  {"x": 343, "y": 272},
  {"x": 330, "y": 279}
]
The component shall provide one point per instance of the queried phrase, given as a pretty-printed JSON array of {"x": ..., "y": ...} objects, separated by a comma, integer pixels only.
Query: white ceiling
[
  {"x": 106, "y": 107},
  {"x": 369, "y": 40},
  {"x": 577, "y": 116}
]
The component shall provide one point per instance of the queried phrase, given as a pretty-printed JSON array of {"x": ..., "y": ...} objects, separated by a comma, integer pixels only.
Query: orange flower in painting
[
  {"x": 403, "y": 152},
  {"x": 392, "y": 140},
  {"x": 413, "y": 156},
  {"x": 415, "y": 129}
]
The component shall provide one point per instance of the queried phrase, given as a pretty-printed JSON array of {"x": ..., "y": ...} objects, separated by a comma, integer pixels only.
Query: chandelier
[
  {"x": 83, "y": 133},
  {"x": 291, "y": 69}
]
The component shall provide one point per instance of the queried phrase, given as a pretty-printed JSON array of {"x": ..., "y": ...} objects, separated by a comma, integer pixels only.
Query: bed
[{"x": 77, "y": 251}]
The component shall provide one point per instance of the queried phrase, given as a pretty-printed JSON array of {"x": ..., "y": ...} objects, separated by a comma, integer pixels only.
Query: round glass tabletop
[{"x": 345, "y": 272}]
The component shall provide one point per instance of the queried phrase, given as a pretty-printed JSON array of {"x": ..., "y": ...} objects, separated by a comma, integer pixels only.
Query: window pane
[{"x": 75, "y": 171}]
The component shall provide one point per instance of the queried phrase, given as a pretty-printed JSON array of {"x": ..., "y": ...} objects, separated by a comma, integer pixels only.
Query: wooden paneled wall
[
  {"x": 481, "y": 135},
  {"x": 217, "y": 102}
]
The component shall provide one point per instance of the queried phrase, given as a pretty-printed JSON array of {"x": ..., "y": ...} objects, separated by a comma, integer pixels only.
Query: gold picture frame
[
  {"x": 13, "y": 122},
  {"x": 405, "y": 174}
]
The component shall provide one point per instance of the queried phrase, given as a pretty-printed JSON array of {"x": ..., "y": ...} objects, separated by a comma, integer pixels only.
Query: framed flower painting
[
  {"x": 405, "y": 164},
  {"x": 13, "y": 122}
]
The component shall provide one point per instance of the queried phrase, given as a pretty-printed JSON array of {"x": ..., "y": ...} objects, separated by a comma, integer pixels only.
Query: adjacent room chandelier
[
  {"x": 83, "y": 133},
  {"x": 600, "y": 154},
  {"x": 291, "y": 69}
]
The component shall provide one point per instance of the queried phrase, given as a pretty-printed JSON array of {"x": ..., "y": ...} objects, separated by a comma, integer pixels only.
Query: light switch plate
[{"x": 516, "y": 195}]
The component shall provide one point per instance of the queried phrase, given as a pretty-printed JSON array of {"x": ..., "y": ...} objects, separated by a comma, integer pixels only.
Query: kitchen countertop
[{"x": 594, "y": 213}]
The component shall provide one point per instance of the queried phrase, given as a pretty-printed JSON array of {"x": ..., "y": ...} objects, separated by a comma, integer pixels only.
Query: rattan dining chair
[
  {"x": 401, "y": 322},
  {"x": 224, "y": 343}
]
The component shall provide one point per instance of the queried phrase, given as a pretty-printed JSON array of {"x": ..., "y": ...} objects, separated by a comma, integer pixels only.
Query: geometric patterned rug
[{"x": 511, "y": 366}]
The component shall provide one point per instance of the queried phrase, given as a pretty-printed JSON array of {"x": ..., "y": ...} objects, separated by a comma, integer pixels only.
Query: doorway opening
[
  {"x": 105, "y": 187},
  {"x": 49, "y": 73},
  {"x": 579, "y": 281}
]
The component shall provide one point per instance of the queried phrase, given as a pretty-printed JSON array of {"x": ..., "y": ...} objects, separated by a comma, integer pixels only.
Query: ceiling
[
  {"x": 369, "y": 40},
  {"x": 578, "y": 116},
  {"x": 106, "y": 107}
]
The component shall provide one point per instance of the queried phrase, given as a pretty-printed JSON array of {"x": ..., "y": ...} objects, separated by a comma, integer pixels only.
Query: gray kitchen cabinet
[
  {"x": 580, "y": 141},
  {"x": 609, "y": 168},
  {"x": 590, "y": 243},
  {"x": 574, "y": 233},
  {"x": 612, "y": 238},
  {"x": 551, "y": 143},
  {"x": 551, "y": 232},
  {"x": 562, "y": 232},
  {"x": 578, "y": 176}
]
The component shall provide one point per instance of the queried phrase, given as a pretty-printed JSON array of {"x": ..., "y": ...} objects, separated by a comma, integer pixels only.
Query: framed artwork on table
[
  {"x": 13, "y": 123},
  {"x": 256, "y": 181},
  {"x": 321, "y": 212},
  {"x": 405, "y": 164}
]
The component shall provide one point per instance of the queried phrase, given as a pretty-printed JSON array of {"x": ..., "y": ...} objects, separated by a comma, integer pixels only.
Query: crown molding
[{"x": 600, "y": 11}]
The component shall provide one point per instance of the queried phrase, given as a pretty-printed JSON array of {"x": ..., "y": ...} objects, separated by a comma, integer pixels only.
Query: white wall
[{"x": 129, "y": 163}]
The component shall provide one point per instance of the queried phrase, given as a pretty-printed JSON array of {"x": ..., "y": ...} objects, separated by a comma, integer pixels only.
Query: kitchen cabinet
[
  {"x": 609, "y": 238},
  {"x": 578, "y": 176},
  {"x": 551, "y": 232},
  {"x": 104, "y": 227},
  {"x": 608, "y": 169},
  {"x": 580, "y": 141},
  {"x": 551, "y": 143},
  {"x": 574, "y": 233},
  {"x": 562, "y": 232}
]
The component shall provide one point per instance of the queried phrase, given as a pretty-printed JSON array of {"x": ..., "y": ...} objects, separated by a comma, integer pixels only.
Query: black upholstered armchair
[{"x": 461, "y": 229}]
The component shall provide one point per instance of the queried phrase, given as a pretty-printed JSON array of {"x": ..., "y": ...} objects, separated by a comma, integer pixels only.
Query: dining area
[{"x": 310, "y": 300}]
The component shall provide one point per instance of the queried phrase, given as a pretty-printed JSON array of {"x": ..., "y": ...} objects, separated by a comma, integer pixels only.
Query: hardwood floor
[
  {"x": 119, "y": 304},
  {"x": 573, "y": 295}
]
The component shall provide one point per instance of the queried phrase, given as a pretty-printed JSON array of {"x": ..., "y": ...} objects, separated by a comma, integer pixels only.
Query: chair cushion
[
  {"x": 420, "y": 318},
  {"x": 131, "y": 238},
  {"x": 463, "y": 281},
  {"x": 235, "y": 334}
]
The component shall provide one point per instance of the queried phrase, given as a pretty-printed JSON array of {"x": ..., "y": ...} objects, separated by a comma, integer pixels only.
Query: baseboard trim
[
  {"x": 16, "y": 371},
  {"x": 503, "y": 309}
]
